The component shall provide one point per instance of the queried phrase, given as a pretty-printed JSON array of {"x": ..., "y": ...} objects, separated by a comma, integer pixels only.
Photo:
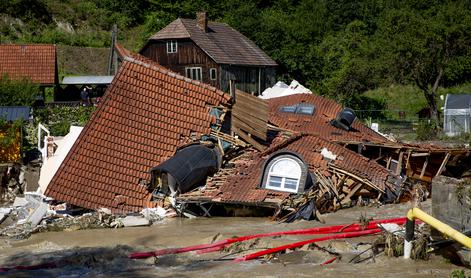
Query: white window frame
[
  {"x": 172, "y": 46},
  {"x": 195, "y": 73},
  {"x": 211, "y": 71},
  {"x": 284, "y": 175}
]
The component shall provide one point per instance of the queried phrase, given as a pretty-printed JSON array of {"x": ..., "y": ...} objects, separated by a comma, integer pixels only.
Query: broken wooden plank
[
  {"x": 249, "y": 139},
  {"x": 250, "y": 114},
  {"x": 420, "y": 154},
  {"x": 423, "y": 168},
  {"x": 350, "y": 194},
  {"x": 399, "y": 163},
  {"x": 442, "y": 166}
]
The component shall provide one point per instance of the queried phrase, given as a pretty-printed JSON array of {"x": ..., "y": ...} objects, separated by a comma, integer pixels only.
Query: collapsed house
[{"x": 158, "y": 134}]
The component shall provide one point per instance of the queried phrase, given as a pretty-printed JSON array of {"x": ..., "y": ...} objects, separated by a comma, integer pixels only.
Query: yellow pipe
[{"x": 437, "y": 224}]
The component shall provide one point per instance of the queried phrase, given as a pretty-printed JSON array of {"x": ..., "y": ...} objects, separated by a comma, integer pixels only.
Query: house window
[
  {"x": 284, "y": 174},
  {"x": 172, "y": 47},
  {"x": 194, "y": 73},
  {"x": 213, "y": 74}
]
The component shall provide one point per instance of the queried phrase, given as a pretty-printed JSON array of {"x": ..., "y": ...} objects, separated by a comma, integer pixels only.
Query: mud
[{"x": 102, "y": 252}]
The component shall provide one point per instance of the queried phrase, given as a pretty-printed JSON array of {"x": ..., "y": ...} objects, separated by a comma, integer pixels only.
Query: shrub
[
  {"x": 17, "y": 92},
  {"x": 426, "y": 130}
]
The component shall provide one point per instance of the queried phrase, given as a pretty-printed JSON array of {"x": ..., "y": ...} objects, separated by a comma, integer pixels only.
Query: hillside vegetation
[{"x": 341, "y": 49}]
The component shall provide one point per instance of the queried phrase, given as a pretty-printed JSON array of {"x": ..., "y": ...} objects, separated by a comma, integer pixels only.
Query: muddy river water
[{"x": 103, "y": 252}]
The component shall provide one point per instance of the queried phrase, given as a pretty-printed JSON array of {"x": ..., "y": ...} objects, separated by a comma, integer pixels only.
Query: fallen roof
[
  {"x": 241, "y": 184},
  {"x": 34, "y": 61},
  {"x": 222, "y": 43},
  {"x": 13, "y": 113},
  {"x": 146, "y": 113},
  {"x": 319, "y": 123},
  {"x": 87, "y": 80}
]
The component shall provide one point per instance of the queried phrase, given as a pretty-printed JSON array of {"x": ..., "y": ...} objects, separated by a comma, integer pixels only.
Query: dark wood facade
[{"x": 251, "y": 79}]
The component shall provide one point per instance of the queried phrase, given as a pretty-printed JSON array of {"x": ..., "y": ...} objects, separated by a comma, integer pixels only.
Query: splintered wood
[{"x": 335, "y": 189}]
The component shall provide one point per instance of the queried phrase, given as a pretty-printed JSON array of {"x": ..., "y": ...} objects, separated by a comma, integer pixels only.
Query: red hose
[
  {"x": 304, "y": 242},
  {"x": 311, "y": 231},
  {"x": 329, "y": 261}
]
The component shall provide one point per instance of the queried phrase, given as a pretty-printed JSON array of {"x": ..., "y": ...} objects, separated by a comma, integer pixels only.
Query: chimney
[{"x": 202, "y": 21}]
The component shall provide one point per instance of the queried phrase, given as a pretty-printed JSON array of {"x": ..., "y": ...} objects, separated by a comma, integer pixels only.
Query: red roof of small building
[
  {"x": 34, "y": 61},
  {"x": 146, "y": 113}
]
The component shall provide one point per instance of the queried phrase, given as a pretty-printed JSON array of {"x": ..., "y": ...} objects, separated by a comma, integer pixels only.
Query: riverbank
[{"x": 104, "y": 251}]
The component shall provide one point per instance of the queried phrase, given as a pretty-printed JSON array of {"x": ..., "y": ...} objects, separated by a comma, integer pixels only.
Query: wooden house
[{"x": 213, "y": 53}]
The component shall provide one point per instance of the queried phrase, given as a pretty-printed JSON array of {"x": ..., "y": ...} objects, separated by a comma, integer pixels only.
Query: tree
[
  {"x": 17, "y": 92},
  {"x": 426, "y": 45}
]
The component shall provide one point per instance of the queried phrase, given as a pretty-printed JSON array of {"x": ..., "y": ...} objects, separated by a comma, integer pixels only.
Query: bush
[
  {"x": 427, "y": 130},
  {"x": 17, "y": 92}
]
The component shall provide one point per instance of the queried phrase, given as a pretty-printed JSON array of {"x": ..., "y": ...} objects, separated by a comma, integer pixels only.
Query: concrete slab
[
  {"x": 37, "y": 215},
  {"x": 134, "y": 221},
  {"x": 20, "y": 202}
]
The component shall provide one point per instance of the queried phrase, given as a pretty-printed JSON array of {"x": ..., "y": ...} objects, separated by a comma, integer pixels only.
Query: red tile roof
[
  {"x": 34, "y": 61},
  {"x": 146, "y": 113},
  {"x": 222, "y": 43},
  {"x": 319, "y": 123},
  {"x": 244, "y": 185}
]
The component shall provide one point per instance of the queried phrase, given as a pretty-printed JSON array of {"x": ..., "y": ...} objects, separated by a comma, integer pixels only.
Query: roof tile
[
  {"x": 34, "y": 61},
  {"x": 131, "y": 131}
]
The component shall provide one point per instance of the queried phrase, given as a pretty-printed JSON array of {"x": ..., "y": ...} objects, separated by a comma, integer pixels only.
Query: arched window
[{"x": 284, "y": 174}]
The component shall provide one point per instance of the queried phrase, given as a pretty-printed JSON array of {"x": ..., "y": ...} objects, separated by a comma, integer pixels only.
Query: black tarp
[{"x": 190, "y": 166}]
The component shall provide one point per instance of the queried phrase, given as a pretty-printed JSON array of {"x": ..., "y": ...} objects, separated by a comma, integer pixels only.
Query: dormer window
[
  {"x": 300, "y": 108},
  {"x": 286, "y": 173},
  {"x": 172, "y": 46}
]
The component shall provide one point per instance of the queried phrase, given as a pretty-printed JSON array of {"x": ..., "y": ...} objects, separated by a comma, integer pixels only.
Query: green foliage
[
  {"x": 426, "y": 130},
  {"x": 9, "y": 132},
  {"x": 59, "y": 119},
  {"x": 459, "y": 274},
  {"x": 17, "y": 92},
  {"x": 341, "y": 49}
]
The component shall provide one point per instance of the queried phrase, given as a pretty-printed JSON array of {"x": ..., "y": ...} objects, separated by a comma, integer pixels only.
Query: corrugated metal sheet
[
  {"x": 87, "y": 80},
  {"x": 13, "y": 113}
]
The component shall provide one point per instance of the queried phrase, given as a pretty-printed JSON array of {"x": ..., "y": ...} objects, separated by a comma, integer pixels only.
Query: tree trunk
[{"x": 430, "y": 95}]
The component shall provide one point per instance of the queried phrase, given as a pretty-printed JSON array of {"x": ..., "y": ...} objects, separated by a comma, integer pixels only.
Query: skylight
[{"x": 300, "y": 108}]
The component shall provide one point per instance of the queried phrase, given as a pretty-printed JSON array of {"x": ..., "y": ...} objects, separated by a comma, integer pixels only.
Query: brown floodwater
[{"x": 103, "y": 252}]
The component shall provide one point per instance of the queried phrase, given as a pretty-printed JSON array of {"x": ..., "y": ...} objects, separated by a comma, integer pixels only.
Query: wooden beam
[
  {"x": 389, "y": 162},
  {"x": 420, "y": 154},
  {"x": 399, "y": 164},
  {"x": 442, "y": 166},
  {"x": 249, "y": 139},
  {"x": 351, "y": 193},
  {"x": 423, "y": 168}
]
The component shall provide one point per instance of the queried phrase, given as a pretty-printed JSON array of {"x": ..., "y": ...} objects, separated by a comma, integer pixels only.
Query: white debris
[
  {"x": 328, "y": 154},
  {"x": 134, "y": 221},
  {"x": 281, "y": 89},
  {"x": 375, "y": 127},
  {"x": 19, "y": 202},
  {"x": 393, "y": 228},
  {"x": 4, "y": 212},
  {"x": 154, "y": 214},
  {"x": 37, "y": 214}
]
